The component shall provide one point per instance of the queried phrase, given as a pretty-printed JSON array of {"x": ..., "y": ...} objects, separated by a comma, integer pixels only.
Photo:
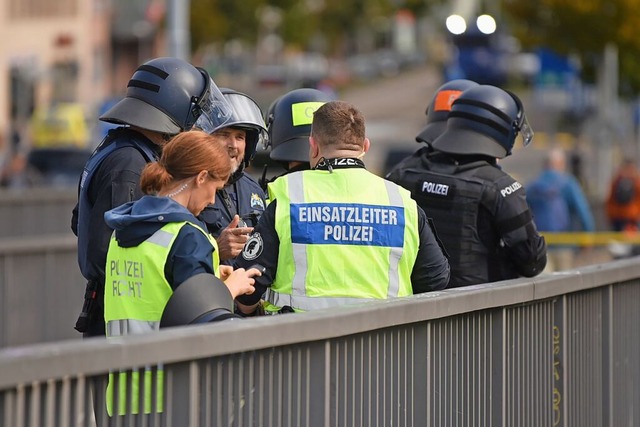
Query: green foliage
[
  {"x": 583, "y": 28},
  {"x": 336, "y": 22}
]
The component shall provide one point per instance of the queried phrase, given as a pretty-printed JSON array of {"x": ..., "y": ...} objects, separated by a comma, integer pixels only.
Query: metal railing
[
  {"x": 36, "y": 211},
  {"x": 41, "y": 289},
  {"x": 556, "y": 350}
]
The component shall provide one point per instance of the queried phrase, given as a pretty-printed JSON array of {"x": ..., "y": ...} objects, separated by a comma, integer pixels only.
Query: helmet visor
[
  {"x": 522, "y": 126},
  {"x": 215, "y": 110},
  {"x": 525, "y": 132},
  {"x": 246, "y": 114}
]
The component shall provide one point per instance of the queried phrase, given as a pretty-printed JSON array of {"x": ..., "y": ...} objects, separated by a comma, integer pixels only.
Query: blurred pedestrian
[
  {"x": 14, "y": 168},
  {"x": 558, "y": 204},
  {"x": 338, "y": 234},
  {"x": 241, "y": 201},
  {"x": 479, "y": 211},
  {"x": 165, "y": 96},
  {"x": 623, "y": 199}
]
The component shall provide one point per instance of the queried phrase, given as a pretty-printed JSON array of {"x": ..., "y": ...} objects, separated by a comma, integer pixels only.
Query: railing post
[{"x": 559, "y": 346}]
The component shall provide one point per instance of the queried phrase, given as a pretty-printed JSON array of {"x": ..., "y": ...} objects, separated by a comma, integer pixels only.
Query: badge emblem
[
  {"x": 256, "y": 201},
  {"x": 253, "y": 247}
]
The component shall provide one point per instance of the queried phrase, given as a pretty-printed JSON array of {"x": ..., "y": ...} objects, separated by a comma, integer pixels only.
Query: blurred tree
[
  {"x": 583, "y": 28},
  {"x": 221, "y": 20},
  {"x": 339, "y": 23}
]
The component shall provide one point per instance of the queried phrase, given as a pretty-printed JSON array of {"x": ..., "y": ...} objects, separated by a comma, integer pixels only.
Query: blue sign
[{"x": 347, "y": 224}]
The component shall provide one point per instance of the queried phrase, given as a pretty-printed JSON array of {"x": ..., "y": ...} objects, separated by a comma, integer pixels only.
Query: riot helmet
[
  {"x": 439, "y": 107},
  {"x": 484, "y": 120},
  {"x": 289, "y": 123},
  {"x": 202, "y": 298},
  {"x": 246, "y": 115},
  {"x": 168, "y": 95}
]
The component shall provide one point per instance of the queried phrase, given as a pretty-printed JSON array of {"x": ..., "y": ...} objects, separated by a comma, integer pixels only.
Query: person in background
[
  {"x": 14, "y": 169},
  {"x": 241, "y": 201},
  {"x": 623, "y": 198},
  {"x": 337, "y": 234},
  {"x": 558, "y": 204},
  {"x": 158, "y": 243},
  {"x": 479, "y": 211},
  {"x": 622, "y": 207},
  {"x": 165, "y": 96}
]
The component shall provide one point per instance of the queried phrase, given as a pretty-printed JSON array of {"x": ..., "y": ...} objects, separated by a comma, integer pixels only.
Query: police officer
[
  {"x": 437, "y": 113},
  {"x": 288, "y": 121},
  {"x": 338, "y": 234},
  {"x": 241, "y": 202},
  {"x": 480, "y": 212},
  {"x": 158, "y": 244},
  {"x": 165, "y": 96}
]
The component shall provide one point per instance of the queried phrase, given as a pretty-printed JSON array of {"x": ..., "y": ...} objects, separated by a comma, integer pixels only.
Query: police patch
[
  {"x": 253, "y": 247},
  {"x": 256, "y": 201},
  {"x": 510, "y": 189}
]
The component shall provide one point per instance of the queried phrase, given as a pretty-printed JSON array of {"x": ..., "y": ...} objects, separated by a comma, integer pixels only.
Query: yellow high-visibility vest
[{"x": 339, "y": 246}]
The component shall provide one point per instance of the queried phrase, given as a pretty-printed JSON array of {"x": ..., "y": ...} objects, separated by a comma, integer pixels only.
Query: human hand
[
  {"x": 232, "y": 239},
  {"x": 241, "y": 281},
  {"x": 224, "y": 271}
]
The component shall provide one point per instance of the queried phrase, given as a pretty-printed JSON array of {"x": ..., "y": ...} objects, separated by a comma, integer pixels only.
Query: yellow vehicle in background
[
  {"x": 59, "y": 145},
  {"x": 62, "y": 125}
]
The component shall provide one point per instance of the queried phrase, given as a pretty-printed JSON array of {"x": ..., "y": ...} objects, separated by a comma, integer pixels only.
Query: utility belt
[{"x": 92, "y": 307}]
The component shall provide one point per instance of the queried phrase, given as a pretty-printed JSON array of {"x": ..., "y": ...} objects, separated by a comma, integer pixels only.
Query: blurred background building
[
  {"x": 64, "y": 62},
  {"x": 61, "y": 63}
]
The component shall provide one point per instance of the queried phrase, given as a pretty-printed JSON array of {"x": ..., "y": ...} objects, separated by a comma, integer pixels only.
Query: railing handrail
[
  {"x": 38, "y": 196},
  {"x": 67, "y": 358},
  {"x": 29, "y": 244}
]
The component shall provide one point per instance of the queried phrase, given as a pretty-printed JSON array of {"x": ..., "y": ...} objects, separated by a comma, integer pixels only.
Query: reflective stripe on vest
[
  {"x": 385, "y": 248},
  {"x": 116, "y": 328}
]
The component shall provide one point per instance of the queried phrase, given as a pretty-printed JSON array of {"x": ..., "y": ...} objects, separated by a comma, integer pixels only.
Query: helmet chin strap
[{"x": 235, "y": 175}]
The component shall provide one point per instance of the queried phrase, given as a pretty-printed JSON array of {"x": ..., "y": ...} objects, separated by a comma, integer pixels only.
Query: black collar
[{"x": 339, "y": 163}]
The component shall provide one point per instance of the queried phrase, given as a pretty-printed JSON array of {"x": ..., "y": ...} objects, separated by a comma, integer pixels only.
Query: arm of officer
[
  {"x": 431, "y": 270},
  {"x": 261, "y": 248},
  {"x": 190, "y": 254},
  {"x": 525, "y": 247}
]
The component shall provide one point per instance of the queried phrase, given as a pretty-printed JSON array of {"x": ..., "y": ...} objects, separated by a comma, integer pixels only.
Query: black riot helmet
[
  {"x": 246, "y": 115},
  {"x": 439, "y": 107},
  {"x": 168, "y": 95},
  {"x": 484, "y": 120},
  {"x": 289, "y": 123},
  {"x": 202, "y": 298}
]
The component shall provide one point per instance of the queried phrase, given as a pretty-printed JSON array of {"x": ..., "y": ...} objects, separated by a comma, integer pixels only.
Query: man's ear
[
  {"x": 314, "y": 149},
  {"x": 366, "y": 145}
]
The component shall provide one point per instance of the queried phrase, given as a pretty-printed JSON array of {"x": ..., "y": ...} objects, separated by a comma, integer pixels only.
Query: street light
[
  {"x": 486, "y": 24},
  {"x": 456, "y": 24}
]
